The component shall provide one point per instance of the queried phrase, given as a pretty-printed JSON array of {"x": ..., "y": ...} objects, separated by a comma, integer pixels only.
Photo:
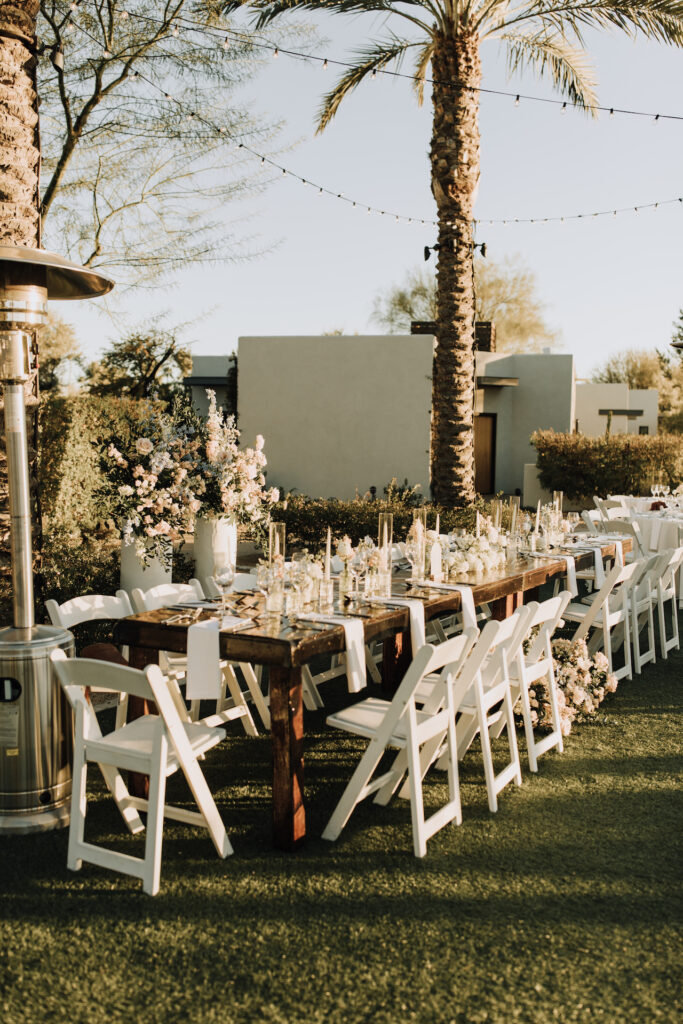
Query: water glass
[{"x": 224, "y": 576}]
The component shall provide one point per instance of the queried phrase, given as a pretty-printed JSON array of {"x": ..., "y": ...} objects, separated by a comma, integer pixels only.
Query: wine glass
[
  {"x": 224, "y": 577},
  {"x": 573, "y": 518},
  {"x": 415, "y": 556}
]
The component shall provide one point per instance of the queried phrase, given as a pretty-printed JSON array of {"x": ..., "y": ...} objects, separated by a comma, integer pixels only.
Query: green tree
[
  {"x": 505, "y": 294},
  {"x": 448, "y": 36},
  {"x": 148, "y": 362},
  {"x": 642, "y": 368},
  {"x": 130, "y": 180}
]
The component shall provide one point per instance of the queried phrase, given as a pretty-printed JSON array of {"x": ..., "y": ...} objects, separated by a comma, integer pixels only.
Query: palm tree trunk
[
  {"x": 19, "y": 209},
  {"x": 456, "y": 68}
]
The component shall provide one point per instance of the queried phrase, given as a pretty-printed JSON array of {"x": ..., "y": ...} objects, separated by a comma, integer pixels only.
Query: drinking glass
[
  {"x": 224, "y": 577},
  {"x": 416, "y": 557},
  {"x": 558, "y": 498},
  {"x": 385, "y": 537},
  {"x": 573, "y": 518}
]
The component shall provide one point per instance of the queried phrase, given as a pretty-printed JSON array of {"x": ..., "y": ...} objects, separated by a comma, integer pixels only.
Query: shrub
[
  {"x": 307, "y": 519},
  {"x": 73, "y": 429},
  {"x": 614, "y": 464}
]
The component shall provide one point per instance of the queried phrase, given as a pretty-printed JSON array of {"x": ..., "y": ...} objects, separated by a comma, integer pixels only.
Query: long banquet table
[{"x": 285, "y": 648}]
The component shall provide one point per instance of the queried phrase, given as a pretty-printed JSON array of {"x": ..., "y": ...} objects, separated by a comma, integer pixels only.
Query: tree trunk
[
  {"x": 19, "y": 210},
  {"x": 456, "y": 70}
]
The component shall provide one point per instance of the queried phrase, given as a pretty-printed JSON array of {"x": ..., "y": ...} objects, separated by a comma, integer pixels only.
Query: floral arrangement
[
  {"x": 155, "y": 498},
  {"x": 477, "y": 553},
  {"x": 582, "y": 684},
  {"x": 230, "y": 481},
  {"x": 345, "y": 549}
]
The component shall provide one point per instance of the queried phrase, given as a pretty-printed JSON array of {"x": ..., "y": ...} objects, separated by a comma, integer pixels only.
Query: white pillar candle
[
  {"x": 438, "y": 522},
  {"x": 328, "y": 554}
]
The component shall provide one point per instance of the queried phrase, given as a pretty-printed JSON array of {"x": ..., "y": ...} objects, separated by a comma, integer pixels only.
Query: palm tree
[
  {"x": 543, "y": 34},
  {"x": 19, "y": 198},
  {"x": 19, "y": 143}
]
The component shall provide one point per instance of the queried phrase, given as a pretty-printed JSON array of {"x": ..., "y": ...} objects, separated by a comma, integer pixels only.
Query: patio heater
[{"x": 35, "y": 724}]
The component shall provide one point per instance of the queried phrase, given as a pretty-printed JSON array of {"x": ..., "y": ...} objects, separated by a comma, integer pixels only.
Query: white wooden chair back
[
  {"x": 611, "y": 509},
  {"x": 618, "y": 576},
  {"x": 158, "y": 745},
  {"x": 593, "y": 520},
  {"x": 545, "y": 618},
  {"x": 629, "y": 529},
  {"x": 89, "y": 608},
  {"x": 165, "y": 594}
]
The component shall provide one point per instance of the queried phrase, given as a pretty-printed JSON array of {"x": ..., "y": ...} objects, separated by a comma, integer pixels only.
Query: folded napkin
[
  {"x": 203, "y": 656},
  {"x": 203, "y": 661},
  {"x": 416, "y": 611},
  {"x": 469, "y": 613},
  {"x": 569, "y": 563},
  {"x": 598, "y": 566},
  {"x": 355, "y": 646}
]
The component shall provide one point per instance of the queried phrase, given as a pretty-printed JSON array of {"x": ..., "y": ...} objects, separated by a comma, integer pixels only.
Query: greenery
[
  {"x": 148, "y": 362},
  {"x": 562, "y": 907},
  {"x": 505, "y": 294},
  {"x": 73, "y": 429},
  {"x": 613, "y": 464},
  {"x": 642, "y": 368},
  {"x": 130, "y": 181},
  {"x": 307, "y": 519}
]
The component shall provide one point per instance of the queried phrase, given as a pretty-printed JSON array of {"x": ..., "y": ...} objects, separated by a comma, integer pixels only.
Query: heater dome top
[{"x": 63, "y": 279}]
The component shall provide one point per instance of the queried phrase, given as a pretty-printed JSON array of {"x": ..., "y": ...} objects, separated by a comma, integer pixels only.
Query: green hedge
[
  {"x": 615, "y": 464},
  {"x": 72, "y": 431},
  {"x": 307, "y": 519}
]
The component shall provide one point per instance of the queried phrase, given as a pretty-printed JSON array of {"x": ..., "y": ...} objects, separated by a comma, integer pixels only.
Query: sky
[{"x": 608, "y": 283}]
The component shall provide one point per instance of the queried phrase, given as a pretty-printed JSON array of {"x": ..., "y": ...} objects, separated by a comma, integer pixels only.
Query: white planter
[
  {"x": 215, "y": 545},
  {"x": 135, "y": 574}
]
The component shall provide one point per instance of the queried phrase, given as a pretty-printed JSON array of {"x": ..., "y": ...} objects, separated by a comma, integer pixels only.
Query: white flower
[
  {"x": 144, "y": 445},
  {"x": 125, "y": 490},
  {"x": 259, "y": 442}
]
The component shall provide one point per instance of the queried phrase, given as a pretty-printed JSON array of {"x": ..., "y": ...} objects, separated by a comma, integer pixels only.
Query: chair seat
[
  {"x": 365, "y": 718},
  {"x": 134, "y": 743}
]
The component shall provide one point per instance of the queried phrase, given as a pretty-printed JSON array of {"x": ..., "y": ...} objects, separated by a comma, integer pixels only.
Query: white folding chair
[
  {"x": 94, "y": 608},
  {"x": 629, "y": 529},
  {"x": 401, "y": 724},
  {"x": 610, "y": 510},
  {"x": 609, "y": 608},
  {"x": 483, "y": 698},
  {"x": 643, "y": 599},
  {"x": 175, "y": 665},
  {"x": 537, "y": 667},
  {"x": 156, "y": 745},
  {"x": 665, "y": 588},
  {"x": 593, "y": 521}
]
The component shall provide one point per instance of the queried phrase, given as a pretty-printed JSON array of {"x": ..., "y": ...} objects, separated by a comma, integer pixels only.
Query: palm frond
[
  {"x": 550, "y": 53},
  {"x": 371, "y": 59},
  {"x": 661, "y": 20},
  {"x": 421, "y": 65}
]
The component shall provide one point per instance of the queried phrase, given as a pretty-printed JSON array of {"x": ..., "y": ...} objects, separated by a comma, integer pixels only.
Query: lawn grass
[{"x": 564, "y": 906}]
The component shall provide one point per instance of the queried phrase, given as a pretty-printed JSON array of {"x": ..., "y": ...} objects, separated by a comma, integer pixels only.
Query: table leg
[
  {"x": 503, "y": 607},
  {"x": 140, "y": 657},
  {"x": 396, "y": 657},
  {"x": 287, "y": 737}
]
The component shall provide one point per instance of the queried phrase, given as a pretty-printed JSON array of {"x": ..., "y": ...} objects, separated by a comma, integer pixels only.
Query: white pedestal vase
[
  {"x": 135, "y": 574},
  {"x": 215, "y": 545}
]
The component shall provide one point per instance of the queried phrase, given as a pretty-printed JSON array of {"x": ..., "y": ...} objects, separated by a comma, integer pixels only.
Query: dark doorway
[{"x": 485, "y": 452}]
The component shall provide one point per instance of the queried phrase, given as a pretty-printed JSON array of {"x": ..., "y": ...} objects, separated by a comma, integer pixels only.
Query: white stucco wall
[
  {"x": 591, "y": 397},
  {"x": 543, "y": 399},
  {"x": 339, "y": 414}
]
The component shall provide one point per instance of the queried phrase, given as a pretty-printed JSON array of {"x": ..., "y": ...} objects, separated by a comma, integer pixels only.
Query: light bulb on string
[
  {"x": 611, "y": 111},
  {"x": 276, "y": 53},
  {"x": 226, "y": 43},
  {"x": 175, "y": 31},
  {"x": 325, "y": 64},
  {"x": 564, "y": 108},
  {"x": 124, "y": 14},
  {"x": 656, "y": 118},
  {"x": 374, "y": 73},
  {"x": 516, "y": 101}
]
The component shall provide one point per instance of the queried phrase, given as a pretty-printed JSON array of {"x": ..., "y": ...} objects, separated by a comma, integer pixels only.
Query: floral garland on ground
[{"x": 582, "y": 683}]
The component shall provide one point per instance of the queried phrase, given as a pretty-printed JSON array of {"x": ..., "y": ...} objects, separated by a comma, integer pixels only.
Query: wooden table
[{"x": 284, "y": 650}]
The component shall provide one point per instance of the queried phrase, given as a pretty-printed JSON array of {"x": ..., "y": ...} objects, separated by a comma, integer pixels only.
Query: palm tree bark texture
[
  {"x": 455, "y": 175},
  {"x": 19, "y": 210}
]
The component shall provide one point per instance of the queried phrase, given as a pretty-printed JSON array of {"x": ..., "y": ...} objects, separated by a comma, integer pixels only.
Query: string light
[
  {"x": 192, "y": 115},
  {"x": 295, "y": 54},
  {"x": 516, "y": 101}
]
